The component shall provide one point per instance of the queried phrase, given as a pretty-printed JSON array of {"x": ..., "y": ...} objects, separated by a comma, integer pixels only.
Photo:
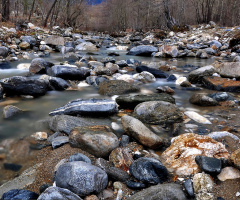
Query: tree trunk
[
  {"x": 5, "y": 10},
  {"x": 31, "y": 12},
  {"x": 49, "y": 12}
]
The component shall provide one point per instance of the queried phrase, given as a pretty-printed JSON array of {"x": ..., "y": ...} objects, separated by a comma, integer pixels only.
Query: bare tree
[
  {"x": 5, "y": 10},
  {"x": 49, "y": 12}
]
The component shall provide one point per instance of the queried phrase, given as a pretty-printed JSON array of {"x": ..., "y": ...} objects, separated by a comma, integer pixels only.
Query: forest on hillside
[{"x": 121, "y": 15}]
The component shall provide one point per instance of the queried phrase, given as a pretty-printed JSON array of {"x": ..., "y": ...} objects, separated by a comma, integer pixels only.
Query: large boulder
[
  {"x": 4, "y": 52},
  {"x": 158, "y": 113},
  {"x": 160, "y": 192},
  {"x": 131, "y": 101},
  {"x": 136, "y": 129},
  {"x": 29, "y": 39},
  {"x": 168, "y": 51},
  {"x": 53, "y": 193},
  {"x": 86, "y": 46},
  {"x": 197, "y": 75},
  {"x": 179, "y": 158},
  {"x": 221, "y": 84},
  {"x": 116, "y": 87},
  {"x": 109, "y": 69},
  {"x": 94, "y": 107},
  {"x": 65, "y": 123},
  {"x": 19, "y": 85},
  {"x": 142, "y": 50},
  {"x": 228, "y": 69},
  {"x": 69, "y": 73},
  {"x": 97, "y": 140},
  {"x": 81, "y": 178},
  {"x": 39, "y": 66},
  {"x": 55, "y": 40},
  {"x": 155, "y": 72}
]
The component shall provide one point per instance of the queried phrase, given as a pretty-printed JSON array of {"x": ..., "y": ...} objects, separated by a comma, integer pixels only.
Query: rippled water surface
[{"x": 37, "y": 109}]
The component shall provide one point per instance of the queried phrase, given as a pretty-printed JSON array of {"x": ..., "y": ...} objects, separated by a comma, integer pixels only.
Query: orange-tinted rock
[
  {"x": 221, "y": 84},
  {"x": 179, "y": 158},
  {"x": 235, "y": 158},
  {"x": 121, "y": 158}
]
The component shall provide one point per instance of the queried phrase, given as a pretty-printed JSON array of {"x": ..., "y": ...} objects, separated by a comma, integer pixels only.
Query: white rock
[
  {"x": 217, "y": 135},
  {"x": 23, "y": 66},
  {"x": 196, "y": 117},
  {"x": 40, "y": 136},
  {"x": 229, "y": 173},
  {"x": 144, "y": 77},
  {"x": 180, "y": 80}
]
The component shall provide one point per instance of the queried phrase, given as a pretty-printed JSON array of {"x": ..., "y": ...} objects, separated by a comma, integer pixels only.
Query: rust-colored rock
[
  {"x": 179, "y": 158},
  {"x": 221, "y": 84},
  {"x": 235, "y": 158},
  {"x": 121, "y": 158}
]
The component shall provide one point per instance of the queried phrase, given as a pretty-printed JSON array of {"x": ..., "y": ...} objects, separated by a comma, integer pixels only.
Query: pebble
[{"x": 229, "y": 173}]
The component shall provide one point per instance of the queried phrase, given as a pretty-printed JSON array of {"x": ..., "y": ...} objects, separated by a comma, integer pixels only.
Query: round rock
[
  {"x": 79, "y": 157},
  {"x": 149, "y": 170},
  {"x": 158, "y": 113},
  {"x": 81, "y": 178}
]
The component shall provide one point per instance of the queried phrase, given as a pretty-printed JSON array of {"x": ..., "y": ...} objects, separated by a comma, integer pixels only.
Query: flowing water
[{"x": 38, "y": 108}]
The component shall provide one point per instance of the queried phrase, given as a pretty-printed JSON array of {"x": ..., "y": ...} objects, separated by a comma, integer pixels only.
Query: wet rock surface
[
  {"x": 131, "y": 101},
  {"x": 81, "y": 178}
]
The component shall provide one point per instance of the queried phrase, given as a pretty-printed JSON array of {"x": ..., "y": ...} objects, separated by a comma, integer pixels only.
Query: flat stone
[
  {"x": 209, "y": 165},
  {"x": 87, "y": 107},
  {"x": 221, "y": 84},
  {"x": 149, "y": 170},
  {"x": 136, "y": 129},
  {"x": 155, "y": 72},
  {"x": 142, "y": 50},
  {"x": 81, "y": 178},
  {"x": 97, "y": 140},
  {"x": 59, "y": 141},
  {"x": 196, "y": 117},
  {"x": 179, "y": 158},
  {"x": 55, "y": 40},
  {"x": 171, "y": 191},
  {"x": 16, "y": 194},
  {"x": 117, "y": 87},
  {"x": 229, "y": 173},
  {"x": 131, "y": 101}
]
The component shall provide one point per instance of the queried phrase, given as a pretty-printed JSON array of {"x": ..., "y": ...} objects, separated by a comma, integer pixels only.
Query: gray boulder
[
  {"x": 79, "y": 157},
  {"x": 29, "y": 39},
  {"x": 10, "y": 111},
  {"x": 97, "y": 140},
  {"x": 136, "y": 129},
  {"x": 87, "y": 107},
  {"x": 142, "y": 50},
  {"x": 69, "y": 73},
  {"x": 19, "y": 85},
  {"x": 65, "y": 123},
  {"x": 158, "y": 113},
  {"x": 197, "y": 75},
  {"x": 16, "y": 194},
  {"x": 228, "y": 69},
  {"x": 4, "y": 52},
  {"x": 169, "y": 191},
  {"x": 58, "y": 83},
  {"x": 81, "y": 178},
  {"x": 202, "y": 100},
  {"x": 53, "y": 193},
  {"x": 131, "y": 101},
  {"x": 55, "y": 40},
  {"x": 39, "y": 66},
  {"x": 109, "y": 69},
  {"x": 59, "y": 141},
  {"x": 86, "y": 46},
  {"x": 117, "y": 87}
]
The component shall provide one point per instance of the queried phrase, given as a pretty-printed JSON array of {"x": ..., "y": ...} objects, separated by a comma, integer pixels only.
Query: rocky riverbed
[{"x": 136, "y": 139}]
